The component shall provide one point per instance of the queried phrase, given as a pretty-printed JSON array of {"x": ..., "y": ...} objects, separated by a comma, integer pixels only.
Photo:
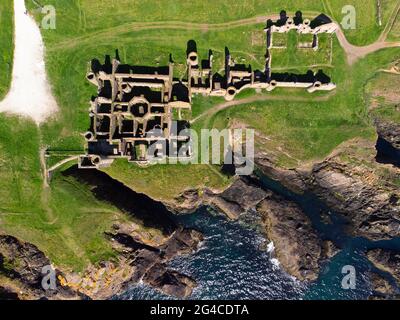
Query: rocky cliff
[
  {"x": 21, "y": 266},
  {"x": 352, "y": 183}
]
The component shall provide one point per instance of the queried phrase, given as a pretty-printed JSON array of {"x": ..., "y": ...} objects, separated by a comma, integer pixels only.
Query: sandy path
[
  {"x": 355, "y": 52},
  {"x": 30, "y": 94}
]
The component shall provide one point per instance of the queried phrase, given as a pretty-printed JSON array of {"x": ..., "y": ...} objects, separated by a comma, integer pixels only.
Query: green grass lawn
[
  {"x": 383, "y": 97},
  {"x": 165, "y": 182},
  {"x": 94, "y": 15},
  {"x": 6, "y": 45},
  {"x": 367, "y": 27},
  {"x": 67, "y": 221},
  {"x": 67, "y": 63},
  {"x": 294, "y": 58},
  {"x": 394, "y": 34}
]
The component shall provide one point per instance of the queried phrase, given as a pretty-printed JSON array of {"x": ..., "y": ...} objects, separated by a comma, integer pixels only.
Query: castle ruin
[{"x": 132, "y": 116}]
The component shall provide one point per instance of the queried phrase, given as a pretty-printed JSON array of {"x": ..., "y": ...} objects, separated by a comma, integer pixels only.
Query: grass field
[
  {"x": 293, "y": 58},
  {"x": 367, "y": 28},
  {"x": 383, "y": 96},
  {"x": 165, "y": 182},
  {"x": 6, "y": 45},
  {"x": 67, "y": 221},
  {"x": 394, "y": 34}
]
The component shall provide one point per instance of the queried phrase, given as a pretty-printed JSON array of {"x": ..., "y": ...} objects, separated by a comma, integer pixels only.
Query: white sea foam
[
  {"x": 275, "y": 262},
  {"x": 270, "y": 247}
]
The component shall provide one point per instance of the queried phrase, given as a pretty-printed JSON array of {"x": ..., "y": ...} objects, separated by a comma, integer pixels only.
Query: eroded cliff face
[
  {"x": 21, "y": 266},
  {"x": 382, "y": 289},
  {"x": 386, "y": 260},
  {"x": 139, "y": 262},
  {"x": 389, "y": 131},
  {"x": 143, "y": 245},
  {"x": 352, "y": 183}
]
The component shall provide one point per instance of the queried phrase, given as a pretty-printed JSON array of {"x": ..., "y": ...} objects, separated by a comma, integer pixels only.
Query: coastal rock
[
  {"x": 186, "y": 202},
  {"x": 169, "y": 282},
  {"x": 22, "y": 260},
  {"x": 21, "y": 265},
  {"x": 352, "y": 183},
  {"x": 148, "y": 263},
  {"x": 386, "y": 260},
  {"x": 184, "y": 241},
  {"x": 151, "y": 239},
  {"x": 381, "y": 288},
  {"x": 389, "y": 131},
  {"x": 297, "y": 246},
  {"x": 290, "y": 178},
  {"x": 242, "y": 195},
  {"x": 8, "y": 294},
  {"x": 329, "y": 249}
]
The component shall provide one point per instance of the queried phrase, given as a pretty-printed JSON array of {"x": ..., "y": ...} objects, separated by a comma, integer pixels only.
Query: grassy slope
[
  {"x": 6, "y": 47},
  {"x": 57, "y": 221},
  {"x": 293, "y": 58},
  {"x": 382, "y": 93}
]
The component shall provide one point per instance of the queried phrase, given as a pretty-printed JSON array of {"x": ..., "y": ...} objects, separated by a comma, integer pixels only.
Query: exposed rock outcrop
[
  {"x": 168, "y": 281},
  {"x": 21, "y": 266},
  {"x": 149, "y": 263},
  {"x": 297, "y": 246},
  {"x": 7, "y": 293},
  {"x": 242, "y": 195},
  {"x": 353, "y": 184},
  {"x": 381, "y": 288},
  {"x": 386, "y": 260},
  {"x": 329, "y": 249},
  {"x": 389, "y": 131}
]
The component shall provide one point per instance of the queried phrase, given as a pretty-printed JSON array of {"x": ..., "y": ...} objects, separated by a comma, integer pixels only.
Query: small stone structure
[{"x": 132, "y": 115}]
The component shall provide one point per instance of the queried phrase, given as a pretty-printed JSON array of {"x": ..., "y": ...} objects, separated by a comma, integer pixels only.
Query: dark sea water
[{"x": 233, "y": 263}]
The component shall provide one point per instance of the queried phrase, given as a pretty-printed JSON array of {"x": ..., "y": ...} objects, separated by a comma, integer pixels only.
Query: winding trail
[
  {"x": 59, "y": 164},
  {"x": 66, "y": 234},
  {"x": 353, "y": 52},
  {"x": 174, "y": 25},
  {"x": 30, "y": 94},
  {"x": 225, "y": 105}
]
